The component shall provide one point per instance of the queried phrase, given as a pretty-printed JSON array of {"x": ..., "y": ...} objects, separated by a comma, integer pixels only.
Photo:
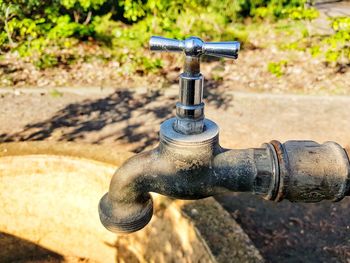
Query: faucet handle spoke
[
  {"x": 222, "y": 49},
  {"x": 195, "y": 47},
  {"x": 165, "y": 44}
]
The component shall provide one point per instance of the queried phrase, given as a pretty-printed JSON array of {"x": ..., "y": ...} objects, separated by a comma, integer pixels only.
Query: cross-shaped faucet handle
[
  {"x": 195, "y": 47},
  {"x": 190, "y": 107}
]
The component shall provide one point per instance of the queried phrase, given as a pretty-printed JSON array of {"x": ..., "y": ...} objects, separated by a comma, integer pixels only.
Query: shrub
[
  {"x": 277, "y": 68},
  {"x": 336, "y": 47},
  {"x": 40, "y": 29}
]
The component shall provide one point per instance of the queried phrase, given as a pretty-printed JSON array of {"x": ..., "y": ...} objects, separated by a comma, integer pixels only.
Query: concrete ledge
[
  {"x": 49, "y": 194},
  {"x": 225, "y": 238}
]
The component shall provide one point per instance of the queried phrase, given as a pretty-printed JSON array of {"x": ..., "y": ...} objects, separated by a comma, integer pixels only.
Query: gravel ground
[{"x": 302, "y": 74}]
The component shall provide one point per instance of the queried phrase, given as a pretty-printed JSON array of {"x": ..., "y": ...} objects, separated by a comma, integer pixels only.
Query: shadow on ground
[
  {"x": 293, "y": 232},
  {"x": 77, "y": 120},
  {"x": 123, "y": 116},
  {"x": 15, "y": 249}
]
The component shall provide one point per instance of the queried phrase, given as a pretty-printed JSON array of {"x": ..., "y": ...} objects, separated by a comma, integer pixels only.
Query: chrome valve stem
[{"x": 190, "y": 107}]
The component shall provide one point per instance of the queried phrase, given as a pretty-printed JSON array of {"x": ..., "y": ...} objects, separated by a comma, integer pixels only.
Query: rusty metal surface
[
  {"x": 312, "y": 172},
  {"x": 283, "y": 170}
]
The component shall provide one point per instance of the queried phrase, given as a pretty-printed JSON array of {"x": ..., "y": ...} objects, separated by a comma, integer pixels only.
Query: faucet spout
[{"x": 128, "y": 207}]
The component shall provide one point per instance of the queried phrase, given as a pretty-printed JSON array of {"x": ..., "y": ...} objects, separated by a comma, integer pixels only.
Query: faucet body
[{"x": 189, "y": 162}]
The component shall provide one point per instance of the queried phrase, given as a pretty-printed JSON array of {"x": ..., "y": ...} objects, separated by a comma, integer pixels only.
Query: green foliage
[
  {"x": 46, "y": 61},
  {"x": 55, "y": 93},
  {"x": 83, "y": 4},
  {"x": 40, "y": 30},
  {"x": 133, "y": 10},
  {"x": 277, "y": 68},
  {"x": 336, "y": 47},
  {"x": 300, "y": 13},
  {"x": 276, "y": 9}
]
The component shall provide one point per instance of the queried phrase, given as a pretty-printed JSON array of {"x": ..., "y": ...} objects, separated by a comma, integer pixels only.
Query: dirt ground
[
  {"x": 291, "y": 232},
  {"x": 303, "y": 74},
  {"x": 129, "y": 120}
]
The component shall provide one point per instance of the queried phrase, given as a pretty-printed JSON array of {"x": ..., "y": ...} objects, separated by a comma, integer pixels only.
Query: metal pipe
[{"x": 312, "y": 172}]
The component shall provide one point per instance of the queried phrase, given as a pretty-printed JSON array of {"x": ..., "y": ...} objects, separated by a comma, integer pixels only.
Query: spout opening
[{"x": 124, "y": 218}]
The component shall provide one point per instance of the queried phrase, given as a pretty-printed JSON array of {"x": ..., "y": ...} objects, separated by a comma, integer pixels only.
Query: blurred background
[
  {"x": 286, "y": 44},
  {"x": 80, "y": 70}
]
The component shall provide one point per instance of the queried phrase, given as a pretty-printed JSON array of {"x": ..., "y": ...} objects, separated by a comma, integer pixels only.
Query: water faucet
[{"x": 189, "y": 162}]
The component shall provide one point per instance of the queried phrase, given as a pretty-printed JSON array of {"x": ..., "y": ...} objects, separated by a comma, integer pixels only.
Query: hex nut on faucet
[{"x": 189, "y": 162}]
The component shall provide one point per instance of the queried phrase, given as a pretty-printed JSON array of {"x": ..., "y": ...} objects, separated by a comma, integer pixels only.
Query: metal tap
[
  {"x": 190, "y": 107},
  {"x": 189, "y": 162}
]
